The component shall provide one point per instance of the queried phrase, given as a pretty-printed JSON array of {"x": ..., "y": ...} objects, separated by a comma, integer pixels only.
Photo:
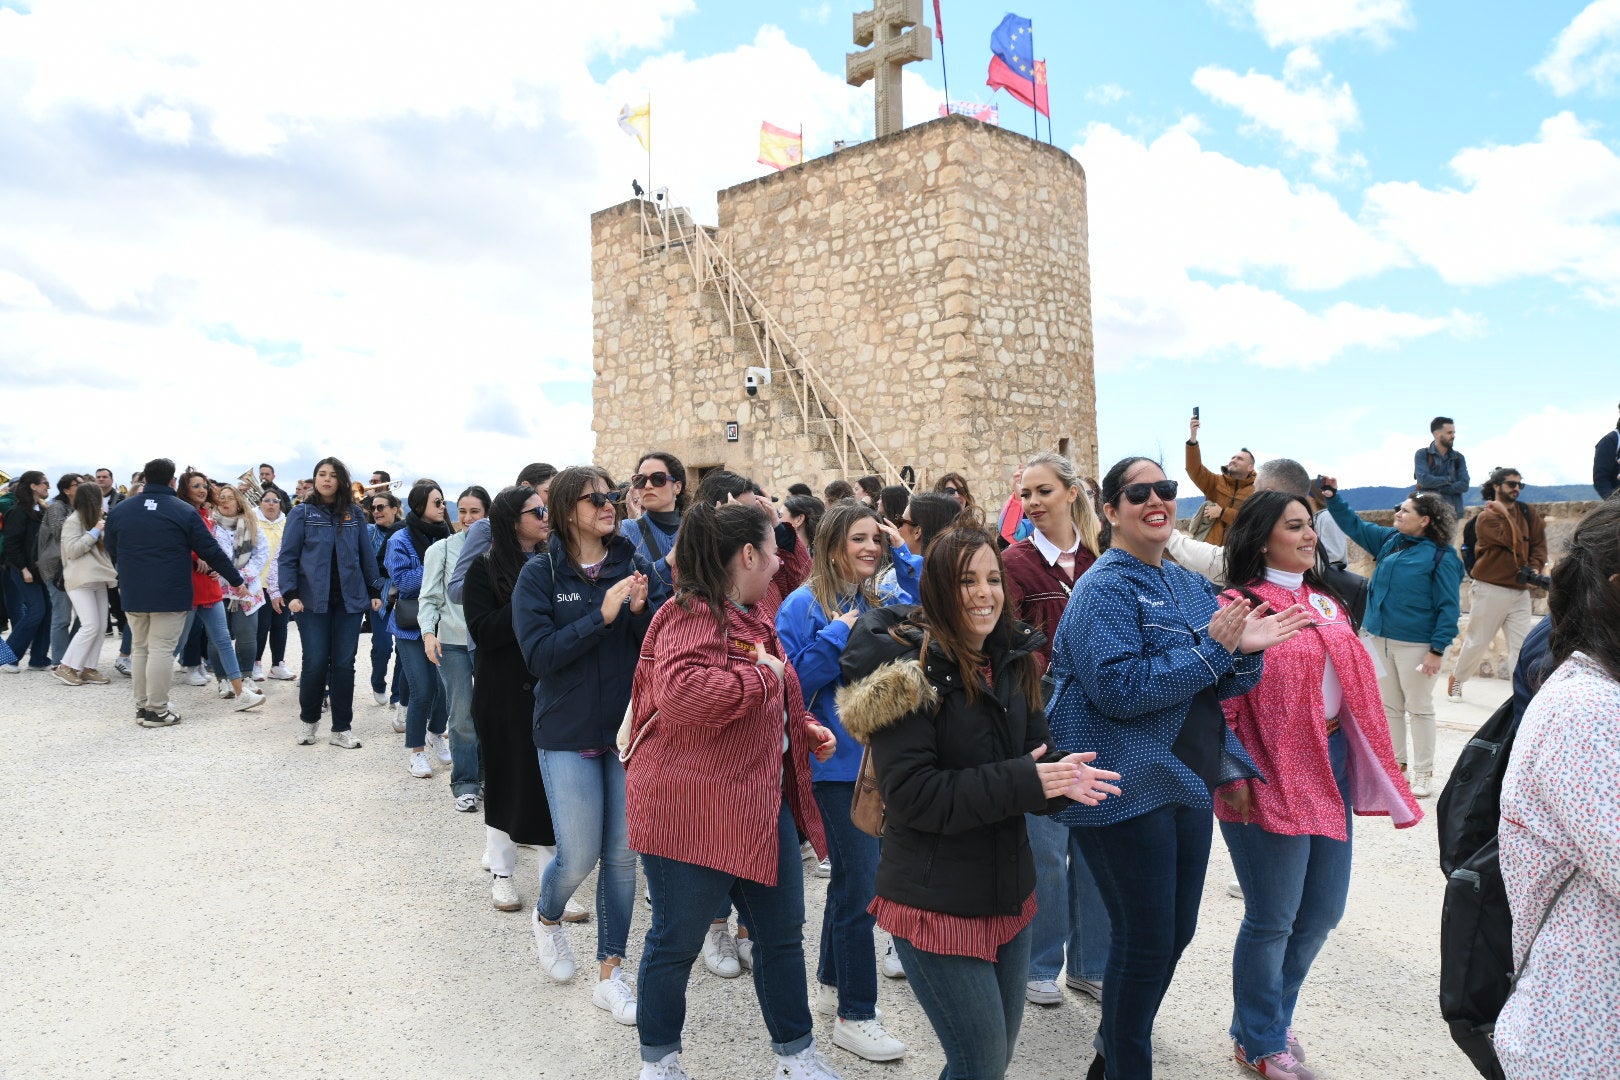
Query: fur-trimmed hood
[{"x": 896, "y": 689}]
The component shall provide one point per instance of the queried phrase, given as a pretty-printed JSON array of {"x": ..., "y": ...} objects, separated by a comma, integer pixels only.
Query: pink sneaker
[{"x": 1282, "y": 1064}]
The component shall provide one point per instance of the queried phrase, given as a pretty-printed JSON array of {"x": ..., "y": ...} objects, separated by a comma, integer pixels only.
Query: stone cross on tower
[{"x": 884, "y": 29}]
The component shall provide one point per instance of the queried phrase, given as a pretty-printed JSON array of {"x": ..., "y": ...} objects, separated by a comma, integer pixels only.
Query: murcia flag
[
  {"x": 638, "y": 122},
  {"x": 778, "y": 147}
]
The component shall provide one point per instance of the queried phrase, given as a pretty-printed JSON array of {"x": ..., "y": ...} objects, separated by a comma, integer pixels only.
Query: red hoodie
[{"x": 205, "y": 587}]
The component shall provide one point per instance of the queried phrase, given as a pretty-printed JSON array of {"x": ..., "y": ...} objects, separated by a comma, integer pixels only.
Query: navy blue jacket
[
  {"x": 582, "y": 666},
  {"x": 1606, "y": 465},
  {"x": 1446, "y": 476},
  {"x": 311, "y": 539},
  {"x": 151, "y": 538}
]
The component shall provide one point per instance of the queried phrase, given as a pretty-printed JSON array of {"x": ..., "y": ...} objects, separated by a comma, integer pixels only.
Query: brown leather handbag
[{"x": 866, "y": 808}]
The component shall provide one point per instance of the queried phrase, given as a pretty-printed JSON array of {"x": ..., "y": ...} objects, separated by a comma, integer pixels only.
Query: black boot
[{"x": 1098, "y": 1070}]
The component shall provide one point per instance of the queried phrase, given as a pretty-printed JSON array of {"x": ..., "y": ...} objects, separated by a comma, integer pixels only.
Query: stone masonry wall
[{"x": 937, "y": 278}]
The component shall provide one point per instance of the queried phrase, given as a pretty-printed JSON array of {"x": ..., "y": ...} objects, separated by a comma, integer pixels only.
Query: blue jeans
[
  {"x": 456, "y": 684},
  {"x": 328, "y": 642},
  {"x": 975, "y": 1007},
  {"x": 587, "y": 814},
  {"x": 245, "y": 636},
  {"x": 382, "y": 646},
  {"x": 61, "y": 622},
  {"x": 1294, "y": 888},
  {"x": 272, "y": 630},
  {"x": 216, "y": 627},
  {"x": 426, "y": 711},
  {"x": 1071, "y": 913},
  {"x": 29, "y": 606},
  {"x": 847, "y": 960},
  {"x": 1150, "y": 871},
  {"x": 683, "y": 897}
]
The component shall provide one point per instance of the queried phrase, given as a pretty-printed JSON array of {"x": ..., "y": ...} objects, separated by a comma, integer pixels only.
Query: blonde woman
[
  {"x": 87, "y": 574},
  {"x": 236, "y": 528}
]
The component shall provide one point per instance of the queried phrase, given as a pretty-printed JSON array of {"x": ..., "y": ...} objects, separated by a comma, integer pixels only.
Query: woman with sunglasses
[
  {"x": 444, "y": 641},
  {"x": 238, "y": 533},
  {"x": 926, "y": 515},
  {"x": 1413, "y": 604},
  {"x": 814, "y": 624},
  {"x": 955, "y": 485},
  {"x": 208, "y": 608},
  {"x": 1313, "y": 722},
  {"x": 718, "y": 782},
  {"x": 1042, "y": 571},
  {"x": 426, "y": 718},
  {"x": 660, "y": 482},
  {"x": 1142, "y": 659},
  {"x": 580, "y": 611}
]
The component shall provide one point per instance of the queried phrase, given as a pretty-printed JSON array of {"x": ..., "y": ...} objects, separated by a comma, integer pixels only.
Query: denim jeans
[
  {"x": 456, "y": 684},
  {"x": 382, "y": 646},
  {"x": 328, "y": 642},
  {"x": 587, "y": 814},
  {"x": 245, "y": 636},
  {"x": 1150, "y": 871},
  {"x": 426, "y": 711},
  {"x": 1294, "y": 889},
  {"x": 847, "y": 960},
  {"x": 61, "y": 622},
  {"x": 1071, "y": 914},
  {"x": 30, "y": 608},
  {"x": 975, "y": 1007},
  {"x": 216, "y": 627},
  {"x": 683, "y": 897},
  {"x": 272, "y": 630}
]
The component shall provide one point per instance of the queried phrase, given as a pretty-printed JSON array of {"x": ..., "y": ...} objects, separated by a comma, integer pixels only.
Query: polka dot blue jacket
[{"x": 1130, "y": 653}]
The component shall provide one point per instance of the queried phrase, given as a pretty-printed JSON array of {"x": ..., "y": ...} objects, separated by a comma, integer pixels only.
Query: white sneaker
[
  {"x": 344, "y": 739},
  {"x": 438, "y": 747},
  {"x": 666, "y": 1068},
  {"x": 807, "y": 1064},
  {"x": 826, "y": 1000},
  {"x": 11, "y": 669},
  {"x": 249, "y": 698},
  {"x": 615, "y": 995},
  {"x": 1421, "y": 785},
  {"x": 1088, "y": 987},
  {"x": 380, "y": 696},
  {"x": 551, "y": 943},
  {"x": 572, "y": 912},
  {"x": 806, "y": 851},
  {"x": 467, "y": 803},
  {"x": 225, "y": 690},
  {"x": 720, "y": 952},
  {"x": 258, "y": 671},
  {"x": 868, "y": 1039},
  {"x": 1234, "y": 889},
  {"x": 309, "y": 735},
  {"x": 419, "y": 765},
  {"x": 195, "y": 677},
  {"x": 121, "y": 665},
  {"x": 745, "y": 952},
  {"x": 503, "y": 894},
  {"x": 891, "y": 967},
  {"x": 1041, "y": 992},
  {"x": 824, "y": 868},
  {"x": 279, "y": 671},
  {"x": 399, "y": 718}
]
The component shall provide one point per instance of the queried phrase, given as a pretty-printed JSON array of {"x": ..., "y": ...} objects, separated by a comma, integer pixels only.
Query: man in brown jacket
[
  {"x": 1226, "y": 492},
  {"x": 1509, "y": 537}
]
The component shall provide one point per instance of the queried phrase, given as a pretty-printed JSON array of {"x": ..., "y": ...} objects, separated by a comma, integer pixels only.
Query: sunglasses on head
[
  {"x": 1137, "y": 494},
  {"x": 657, "y": 479},
  {"x": 600, "y": 499}
]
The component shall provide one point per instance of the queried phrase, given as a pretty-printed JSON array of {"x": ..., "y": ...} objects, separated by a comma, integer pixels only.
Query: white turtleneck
[{"x": 1332, "y": 689}]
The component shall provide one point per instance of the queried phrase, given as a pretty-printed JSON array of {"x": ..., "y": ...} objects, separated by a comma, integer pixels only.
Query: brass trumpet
[
  {"x": 362, "y": 492},
  {"x": 5, "y": 478}
]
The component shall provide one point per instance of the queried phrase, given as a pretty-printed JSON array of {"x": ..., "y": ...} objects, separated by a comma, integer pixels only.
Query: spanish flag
[
  {"x": 638, "y": 122},
  {"x": 780, "y": 148}
]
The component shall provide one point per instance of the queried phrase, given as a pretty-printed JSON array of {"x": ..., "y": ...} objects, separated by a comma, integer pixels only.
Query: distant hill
[{"x": 1386, "y": 498}]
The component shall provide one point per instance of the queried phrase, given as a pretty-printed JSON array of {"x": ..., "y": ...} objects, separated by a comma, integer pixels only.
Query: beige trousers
[
  {"x": 153, "y": 636},
  {"x": 1407, "y": 692},
  {"x": 1492, "y": 608}
]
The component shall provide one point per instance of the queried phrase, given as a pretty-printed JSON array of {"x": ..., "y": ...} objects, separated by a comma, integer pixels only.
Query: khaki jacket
[{"x": 85, "y": 561}]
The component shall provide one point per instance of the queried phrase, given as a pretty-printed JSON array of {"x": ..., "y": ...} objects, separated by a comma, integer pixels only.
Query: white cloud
[
  {"x": 1305, "y": 108},
  {"x": 1168, "y": 216},
  {"x": 1107, "y": 94},
  {"x": 1550, "y": 207},
  {"x": 161, "y": 124},
  {"x": 1586, "y": 53},
  {"x": 1303, "y": 22},
  {"x": 18, "y": 292}
]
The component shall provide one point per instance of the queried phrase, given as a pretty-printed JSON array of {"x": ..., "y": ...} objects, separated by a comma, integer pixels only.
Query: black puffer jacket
[{"x": 957, "y": 778}]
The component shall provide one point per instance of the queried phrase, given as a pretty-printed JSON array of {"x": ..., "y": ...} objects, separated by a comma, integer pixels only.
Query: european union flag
[{"x": 1014, "y": 42}]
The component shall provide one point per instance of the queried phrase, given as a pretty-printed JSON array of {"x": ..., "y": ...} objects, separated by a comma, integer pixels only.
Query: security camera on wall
[{"x": 756, "y": 378}]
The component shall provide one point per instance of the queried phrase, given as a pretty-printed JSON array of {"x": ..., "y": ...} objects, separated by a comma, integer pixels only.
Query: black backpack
[
  {"x": 1468, "y": 541},
  {"x": 1476, "y": 927}
]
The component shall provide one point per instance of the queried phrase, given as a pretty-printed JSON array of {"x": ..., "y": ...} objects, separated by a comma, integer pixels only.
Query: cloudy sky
[{"x": 232, "y": 233}]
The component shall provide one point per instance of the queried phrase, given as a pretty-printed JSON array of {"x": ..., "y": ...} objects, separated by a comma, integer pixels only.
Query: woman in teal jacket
[{"x": 1413, "y": 602}]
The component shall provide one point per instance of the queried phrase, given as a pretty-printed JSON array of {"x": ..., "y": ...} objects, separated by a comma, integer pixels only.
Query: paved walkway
[{"x": 211, "y": 900}]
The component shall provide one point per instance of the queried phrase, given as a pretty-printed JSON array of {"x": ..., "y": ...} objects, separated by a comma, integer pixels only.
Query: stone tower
[{"x": 922, "y": 300}]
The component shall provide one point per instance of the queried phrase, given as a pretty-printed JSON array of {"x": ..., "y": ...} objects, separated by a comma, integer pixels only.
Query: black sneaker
[{"x": 156, "y": 718}]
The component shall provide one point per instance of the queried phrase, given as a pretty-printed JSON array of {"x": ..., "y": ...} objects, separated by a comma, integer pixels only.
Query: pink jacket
[{"x": 1281, "y": 724}]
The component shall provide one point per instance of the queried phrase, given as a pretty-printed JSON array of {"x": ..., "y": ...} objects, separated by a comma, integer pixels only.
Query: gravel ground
[{"x": 211, "y": 900}]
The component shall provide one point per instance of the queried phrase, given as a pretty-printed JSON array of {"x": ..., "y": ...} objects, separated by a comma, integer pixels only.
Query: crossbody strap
[{"x": 1545, "y": 915}]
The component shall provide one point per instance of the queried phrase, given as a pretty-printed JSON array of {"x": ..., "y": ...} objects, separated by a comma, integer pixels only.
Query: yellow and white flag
[{"x": 638, "y": 122}]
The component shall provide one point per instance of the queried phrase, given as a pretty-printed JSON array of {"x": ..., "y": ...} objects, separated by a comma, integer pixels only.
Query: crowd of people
[{"x": 1050, "y": 703}]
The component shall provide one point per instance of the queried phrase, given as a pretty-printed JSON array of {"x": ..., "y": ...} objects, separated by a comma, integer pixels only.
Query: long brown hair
[
  {"x": 185, "y": 488},
  {"x": 1584, "y": 602},
  {"x": 945, "y": 618},
  {"x": 957, "y": 480},
  {"x": 829, "y": 576},
  {"x": 562, "y": 499},
  {"x": 87, "y": 504}
]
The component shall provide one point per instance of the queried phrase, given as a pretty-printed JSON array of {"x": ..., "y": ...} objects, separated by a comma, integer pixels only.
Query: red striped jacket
[{"x": 706, "y": 781}]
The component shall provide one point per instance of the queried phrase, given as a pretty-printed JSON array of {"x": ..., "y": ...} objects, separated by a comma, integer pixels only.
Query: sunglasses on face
[
  {"x": 379, "y": 508},
  {"x": 953, "y": 491},
  {"x": 600, "y": 499},
  {"x": 539, "y": 512},
  {"x": 1515, "y": 484},
  {"x": 657, "y": 480},
  {"x": 1137, "y": 494}
]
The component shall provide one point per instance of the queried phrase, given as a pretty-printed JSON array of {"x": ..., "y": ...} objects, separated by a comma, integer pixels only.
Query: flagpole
[
  {"x": 1034, "y": 108},
  {"x": 649, "y": 152},
  {"x": 939, "y": 32}
]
